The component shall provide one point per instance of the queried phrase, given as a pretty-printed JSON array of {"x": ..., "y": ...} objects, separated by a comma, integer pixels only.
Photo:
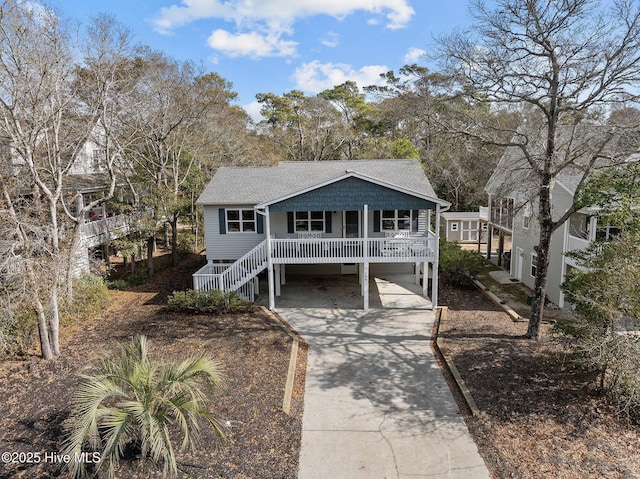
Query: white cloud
[
  {"x": 397, "y": 12},
  {"x": 331, "y": 40},
  {"x": 253, "y": 44},
  {"x": 414, "y": 55},
  {"x": 315, "y": 77},
  {"x": 274, "y": 16},
  {"x": 253, "y": 109}
]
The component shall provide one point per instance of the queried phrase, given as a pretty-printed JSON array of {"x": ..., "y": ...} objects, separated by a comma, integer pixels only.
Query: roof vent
[{"x": 349, "y": 171}]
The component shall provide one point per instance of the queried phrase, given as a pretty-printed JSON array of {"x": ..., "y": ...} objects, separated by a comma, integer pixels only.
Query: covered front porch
[{"x": 415, "y": 255}]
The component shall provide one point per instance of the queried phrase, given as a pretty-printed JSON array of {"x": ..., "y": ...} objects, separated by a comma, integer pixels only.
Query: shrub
[
  {"x": 138, "y": 277},
  {"x": 210, "y": 302},
  {"x": 117, "y": 284},
  {"x": 90, "y": 295},
  {"x": 18, "y": 331},
  {"x": 458, "y": 266},
  {"x": 131, "y": 400}
]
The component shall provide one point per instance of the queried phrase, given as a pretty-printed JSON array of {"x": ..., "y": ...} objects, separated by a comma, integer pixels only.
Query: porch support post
[
  {"x": 365, "y": 255},
  {"x": 489, "y": 241},
  {"x": 417, "y": 272},
  {"x": 434, "y": 281},
  {"x": 270, "y": 278},
  {"x": 365, "y": 286},
  {"x": 278, "y": 271},
  {"x": 425, "y": 278}
]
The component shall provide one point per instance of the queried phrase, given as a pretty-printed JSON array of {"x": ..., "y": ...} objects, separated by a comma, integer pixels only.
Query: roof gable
[
  {"x": 514, "y": 175},
  {"x": 349, "y": 193}
]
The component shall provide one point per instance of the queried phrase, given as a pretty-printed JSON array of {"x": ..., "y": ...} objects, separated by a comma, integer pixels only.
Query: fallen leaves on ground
[{"x": 539, "y": 417}]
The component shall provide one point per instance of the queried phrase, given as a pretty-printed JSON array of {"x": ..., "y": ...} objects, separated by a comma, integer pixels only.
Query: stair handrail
[{"x": 244, "y": 268}]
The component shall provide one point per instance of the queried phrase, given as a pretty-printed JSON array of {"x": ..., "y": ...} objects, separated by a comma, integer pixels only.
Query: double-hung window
[
  {"x": 306, "y": 221},
  {"x": 241, "y": 221},
  {"x": 534, "y": 264},
  {"x": 395, "y": 220}
]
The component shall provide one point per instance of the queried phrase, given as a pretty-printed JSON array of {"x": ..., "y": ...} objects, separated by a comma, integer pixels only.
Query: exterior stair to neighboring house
[{"x": 240, "y": 276}]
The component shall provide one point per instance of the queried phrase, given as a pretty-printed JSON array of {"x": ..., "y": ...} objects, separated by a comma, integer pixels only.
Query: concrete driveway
[{"x": 376, "y": 404}]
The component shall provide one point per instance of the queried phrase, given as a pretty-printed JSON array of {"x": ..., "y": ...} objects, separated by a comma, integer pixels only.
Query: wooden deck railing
[
  {"x": 103, "y": 230},
  {"x": 235, "y": 276}
]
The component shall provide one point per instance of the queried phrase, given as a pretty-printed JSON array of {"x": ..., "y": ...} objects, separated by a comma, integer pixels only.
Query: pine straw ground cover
[
  {"x": 538, "y": 417},
  {"x": 253, "y": 348}
]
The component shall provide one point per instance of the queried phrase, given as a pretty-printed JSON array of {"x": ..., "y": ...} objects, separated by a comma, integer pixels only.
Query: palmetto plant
[{"x": 131, "y": 399}]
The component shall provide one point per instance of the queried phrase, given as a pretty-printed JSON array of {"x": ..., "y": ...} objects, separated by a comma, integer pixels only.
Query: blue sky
[{"x": 276, "y": 46}]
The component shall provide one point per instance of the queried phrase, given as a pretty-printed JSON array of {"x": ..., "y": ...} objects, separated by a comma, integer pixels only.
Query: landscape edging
[
  {"x": 291, "y": 371},
  {"x": 443, "y": 315},
  {"x": 500, "y": 303}
]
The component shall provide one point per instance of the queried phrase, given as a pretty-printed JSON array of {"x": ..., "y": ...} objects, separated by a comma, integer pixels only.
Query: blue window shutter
[
  {"x": 290, "y": 228},
  {"x": 414, "y": 220},
  {"x": 376, "y": 221},
  {"x": 327, "y": 221},
  {"x": 222, "y": 220},
  {"x": 259, "y": 223}
]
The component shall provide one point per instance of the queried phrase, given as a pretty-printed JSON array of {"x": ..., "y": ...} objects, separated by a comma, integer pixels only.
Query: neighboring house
[
  {"x": 464, "y": 227},
  {"x": 342, "y": 217},
  {"x": 86, "y": 180},
  {"x": 512, "y": 209}
]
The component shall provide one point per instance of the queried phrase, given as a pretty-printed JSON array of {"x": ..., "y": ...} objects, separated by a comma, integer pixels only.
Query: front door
[
  {"x": 517, "y": 273},
  {"x": 469, "y": 231},
  {"x": 350, "y": 229},
  {"x": 351, "y": 224}
]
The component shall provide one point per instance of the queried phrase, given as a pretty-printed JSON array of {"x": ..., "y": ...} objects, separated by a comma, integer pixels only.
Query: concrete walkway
[{"x": 376, "y": 404}]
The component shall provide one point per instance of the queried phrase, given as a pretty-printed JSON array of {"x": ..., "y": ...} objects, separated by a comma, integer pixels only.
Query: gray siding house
[
  {"x": 512, "y": 206},
  {"x": 339, "y": 217}
]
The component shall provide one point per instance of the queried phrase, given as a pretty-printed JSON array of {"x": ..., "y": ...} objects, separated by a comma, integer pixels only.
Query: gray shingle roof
[
  {"x": 461, "y": 215},
  {"x": 514, "y": 174},
  {"x": 253, "y": 185}
]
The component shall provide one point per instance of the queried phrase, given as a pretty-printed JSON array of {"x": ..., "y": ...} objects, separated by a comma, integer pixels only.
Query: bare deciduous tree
[
  {"x": 566, "y": 61},
  {"x": 36, "y": 67}
]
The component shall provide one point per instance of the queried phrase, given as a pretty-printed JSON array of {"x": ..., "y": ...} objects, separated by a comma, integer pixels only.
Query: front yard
[
  {"x": 254, "y": 350},
  {"x": 538, "y": 417}
]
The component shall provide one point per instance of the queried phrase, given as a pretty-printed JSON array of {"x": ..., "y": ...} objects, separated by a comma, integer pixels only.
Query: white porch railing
[
  {"x": 235, "y": 276},
  {"x": 577, "y": 244},
  {"x": 400, "y": 249}
]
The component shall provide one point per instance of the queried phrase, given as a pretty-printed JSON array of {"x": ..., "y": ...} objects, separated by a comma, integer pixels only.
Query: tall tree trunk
[
  {"x": 150, "y": 246},
  {"x": 43, "y": 330},
  {"x": 174, "y": 239},
  {"x": 43, "y": 326},
  {"x": 54, "y": 323},
  {"x": 542, "y": 261}
]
